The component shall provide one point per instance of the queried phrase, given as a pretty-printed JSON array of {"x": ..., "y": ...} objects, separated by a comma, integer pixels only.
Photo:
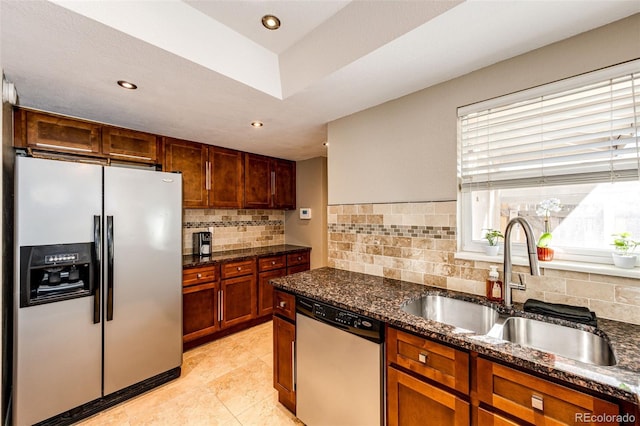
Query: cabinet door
[
  {"x": 129, "y": 145},
  {"x": 414, "y": 402},
  {"x": 265, "y": 290},
  {"x": 535, "y": 400},
  {"x": 190, "y": 159},
  {"x": 284, "y": 195},
  {"x": 226, "y": 186},
  {"x": 486, "y": 418},
  {"x": 257, "y": 181},
  {"x": 199, "y": 311},
  {"x": 239, "y": 300},
  {"x": 284, "y": 336},
  {"x": 55, "y": 133}
]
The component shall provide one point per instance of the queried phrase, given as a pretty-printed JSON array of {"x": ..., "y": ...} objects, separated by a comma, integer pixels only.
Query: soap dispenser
[{"x": 494, "y": 285}]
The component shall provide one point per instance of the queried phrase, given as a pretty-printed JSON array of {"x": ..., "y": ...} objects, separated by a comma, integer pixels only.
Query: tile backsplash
[
  {"x": 416, "y": 242},
  {"x": 233, "y": 229}
]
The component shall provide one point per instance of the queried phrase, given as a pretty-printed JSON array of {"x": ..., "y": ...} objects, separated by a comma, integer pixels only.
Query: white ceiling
[{"x": 206, "y": 69}]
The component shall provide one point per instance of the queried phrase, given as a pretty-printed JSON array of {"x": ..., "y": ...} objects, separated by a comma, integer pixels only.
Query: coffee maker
[{"x": 202, "y": 243}]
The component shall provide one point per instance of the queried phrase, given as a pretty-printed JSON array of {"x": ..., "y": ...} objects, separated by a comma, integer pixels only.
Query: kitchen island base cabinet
[
  {"x": 534, "y": 400},
  {"x": 414, "y": 402},
  {"x": 284, "y": 335},
  {"x": 284, "y": 338}
]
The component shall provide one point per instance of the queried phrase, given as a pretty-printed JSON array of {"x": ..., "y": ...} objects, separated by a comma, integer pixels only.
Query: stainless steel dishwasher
[{"x": 339, "y": 365}]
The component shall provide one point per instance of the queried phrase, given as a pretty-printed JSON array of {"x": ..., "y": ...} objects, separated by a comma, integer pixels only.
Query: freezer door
[
  {"x": 143, "y": 273},
  {"x": 57, "y": 346}
]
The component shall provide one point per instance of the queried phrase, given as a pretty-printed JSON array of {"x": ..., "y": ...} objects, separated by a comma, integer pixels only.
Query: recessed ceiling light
[
  {"x": 271, "y": 22},
  {"x": 257, "y": 124},
  {"x": 126, "y": 85}
]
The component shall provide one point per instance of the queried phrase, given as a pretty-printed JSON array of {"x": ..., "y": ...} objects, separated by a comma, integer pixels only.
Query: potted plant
[
  {"x": 493, "y": 238},
  {"x": 544, "y": 209},
  {"x": 623, "y": 256}
]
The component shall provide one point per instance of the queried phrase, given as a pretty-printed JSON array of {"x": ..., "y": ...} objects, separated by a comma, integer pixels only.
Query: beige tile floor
[{"x": 226, "y": 382}]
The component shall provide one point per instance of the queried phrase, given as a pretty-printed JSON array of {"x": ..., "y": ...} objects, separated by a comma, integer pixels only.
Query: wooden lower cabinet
[
  {"x": 284, "y": 338},
  {"x": 238, "y": 300},
  {"x": 535, "y": 400},
  {"x": 415, "y": 402},
  {"x": 200, "y": 315}
]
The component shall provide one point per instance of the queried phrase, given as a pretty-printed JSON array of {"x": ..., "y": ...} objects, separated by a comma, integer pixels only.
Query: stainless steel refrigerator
[{"x": 98, "y": 296}]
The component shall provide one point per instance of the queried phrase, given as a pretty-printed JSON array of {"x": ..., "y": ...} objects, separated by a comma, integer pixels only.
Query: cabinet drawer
[
  {"x": 435, "y": 361},
  {"x": 272, "y": 262},
  {"x": 533, "y": 399},
  {"x": 284, "y": 304},
  {"x": 205, "y": 274},
  {"x": 297, "y": 268},
  {"x": 298, "y": 258},
  {"x": 238, "y": 269}
]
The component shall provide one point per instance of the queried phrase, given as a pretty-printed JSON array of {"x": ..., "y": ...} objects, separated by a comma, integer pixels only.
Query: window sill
[{"x": 562, "y": 265}]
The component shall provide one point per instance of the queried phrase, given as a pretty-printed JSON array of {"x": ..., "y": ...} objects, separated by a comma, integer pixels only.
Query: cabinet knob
[
  {"x": 422, "y": 357},
  {"x": 283, "y": 304},
  {"x": 239, "y": 268},
  {"x": 537, "y": 402},
  {"x": 199, "y": 275},
  {"x": 299, "y": 257},
  {"x": 273, "y": 262}
]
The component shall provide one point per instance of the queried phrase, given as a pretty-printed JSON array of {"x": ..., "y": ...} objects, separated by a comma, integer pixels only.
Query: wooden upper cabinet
[
  {"x": 226, "y": 173},
  {"x": 130, "y": 145},
  {"x": 190, "y": 159},
  {"x": 269, "y": 183},
  {"x": 284, "y": 195},
  {"x": 55, "y": 133},
  {"x": 257, "y": 181}
]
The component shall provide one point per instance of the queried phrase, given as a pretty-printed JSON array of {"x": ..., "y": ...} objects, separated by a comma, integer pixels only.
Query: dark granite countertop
[
  {"x": 191, "y": 261},
  {"x": 382, "y": 298}
]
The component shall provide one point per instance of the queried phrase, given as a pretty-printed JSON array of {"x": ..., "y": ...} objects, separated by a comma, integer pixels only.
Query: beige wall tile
[
  {"x": 414, "y": 219},
  {"x": 383, "y": 208},
  {"x": 466, "y": 286},
  {"x": 349, "y": 209},
  {"x": 436, "y": 220},
  {"x": 446, "y": 207},
  {"x": 412, "y": 277},
  {"x": 615, "y": 280},
  {"x": 567, "y": 300},
  {"x": 628, "y": 295},
  {"x": 392, "y": 219},
  {"x": 615, "y": 311},
  {"x": 365, "y": 209},
  {"x": 591, "y": 290},
  {"x": 547, "y": 284},
  {"x": 375, "y": 219},
  {"x": 335, "y": 209}
]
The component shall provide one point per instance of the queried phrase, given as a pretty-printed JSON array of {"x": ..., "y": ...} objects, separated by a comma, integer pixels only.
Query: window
[{"x": 575, "y": 140}]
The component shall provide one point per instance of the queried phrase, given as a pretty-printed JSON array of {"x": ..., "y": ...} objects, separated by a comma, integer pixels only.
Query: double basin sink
[{"x": 565, "y": 341}]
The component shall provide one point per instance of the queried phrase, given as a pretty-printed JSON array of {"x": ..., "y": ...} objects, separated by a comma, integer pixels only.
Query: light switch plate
[{"x": 305, "y": 213}]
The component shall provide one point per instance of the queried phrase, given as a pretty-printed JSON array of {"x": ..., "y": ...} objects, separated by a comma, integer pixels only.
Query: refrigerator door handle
[
  {"x": 109, "y": 268},
  {"x": 97, "y": 245}
]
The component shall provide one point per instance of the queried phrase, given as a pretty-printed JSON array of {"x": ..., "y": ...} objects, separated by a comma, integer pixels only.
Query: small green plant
[
  {"x": 624, "y": 244},
  {"x": 493, "y": 236}
]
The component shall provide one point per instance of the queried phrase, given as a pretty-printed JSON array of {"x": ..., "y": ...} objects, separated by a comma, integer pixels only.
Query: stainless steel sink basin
[
  {"x": 568, "y": 342},
  {"x": 455, "y": 312}
]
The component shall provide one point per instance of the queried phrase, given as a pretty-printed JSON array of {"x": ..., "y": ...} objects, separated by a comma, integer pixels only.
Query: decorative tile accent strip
[
  {"x": 233, "y": 223},
  {"x": 438, "y": 232}
]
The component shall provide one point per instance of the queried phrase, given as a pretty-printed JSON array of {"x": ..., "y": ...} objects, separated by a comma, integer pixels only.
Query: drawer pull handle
[
  {"x": 537, "y": 402},
  {"x": 283, "y": 304},
  {"x": 199, "y": 275},
  {"x": 422, "y": 357}
]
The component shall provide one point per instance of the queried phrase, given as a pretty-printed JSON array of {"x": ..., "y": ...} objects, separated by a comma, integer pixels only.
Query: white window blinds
[{"x": 583, "y": 129}]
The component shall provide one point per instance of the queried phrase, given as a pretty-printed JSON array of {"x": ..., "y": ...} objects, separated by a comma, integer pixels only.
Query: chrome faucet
[{"x": 533, "y": 258}]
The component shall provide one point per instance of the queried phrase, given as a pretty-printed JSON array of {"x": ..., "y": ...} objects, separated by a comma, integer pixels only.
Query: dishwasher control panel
[{"x": 350, "y": 321}]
